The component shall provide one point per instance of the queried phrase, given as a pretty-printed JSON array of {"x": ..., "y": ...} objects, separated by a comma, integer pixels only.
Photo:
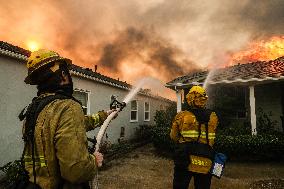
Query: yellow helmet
[
  {"x": 40, "y": 58},
  {"x": 197, "y": 97}
]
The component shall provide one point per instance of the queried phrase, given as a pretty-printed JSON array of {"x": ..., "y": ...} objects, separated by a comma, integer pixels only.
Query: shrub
[
  {"x": 235, "y": 128},
  {"x": 265, "y": 124},
  {"x": 160, "y": 132},
  {"x": 142, "y": 133},
  {"x": 236, "y": 141},
  {"x": 251, "y": 147},
  {"x": 13, "y": 171}
]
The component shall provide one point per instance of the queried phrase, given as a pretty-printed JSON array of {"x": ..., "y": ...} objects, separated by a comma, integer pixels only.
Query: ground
[{"x": 144, "y": 169}]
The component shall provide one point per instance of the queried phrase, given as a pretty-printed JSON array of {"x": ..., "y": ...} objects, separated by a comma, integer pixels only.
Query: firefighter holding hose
[
  {"x": 55, "y": 152},
  {"x": 193, "y": 131}
]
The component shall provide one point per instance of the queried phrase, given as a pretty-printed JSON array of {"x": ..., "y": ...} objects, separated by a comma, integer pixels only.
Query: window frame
[
  {"x": 132, "y": 120},
  {"x": 147, "y": 111},
  {"x": 88, "y": 103}
]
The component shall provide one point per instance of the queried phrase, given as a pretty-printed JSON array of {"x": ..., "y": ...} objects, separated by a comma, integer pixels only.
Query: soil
[{"x": 144, "y": 169}]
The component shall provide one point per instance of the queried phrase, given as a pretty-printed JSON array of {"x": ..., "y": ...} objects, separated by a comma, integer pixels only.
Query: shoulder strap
[
  {"x": 203, "y": 117},
  {"x": 31, "y": 115}
]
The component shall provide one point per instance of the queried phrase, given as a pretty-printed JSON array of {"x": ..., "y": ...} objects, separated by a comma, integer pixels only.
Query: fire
[
  {"x": 263, "y": 50},
  {"x": 32, "y": 45}
]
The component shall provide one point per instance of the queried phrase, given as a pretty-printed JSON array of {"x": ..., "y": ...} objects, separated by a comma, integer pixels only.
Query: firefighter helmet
[
  {"x": 39, "y": 59},
  {"x": 197, "y": 97}
]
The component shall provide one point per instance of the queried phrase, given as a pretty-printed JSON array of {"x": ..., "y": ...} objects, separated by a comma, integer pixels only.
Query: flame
[
  {"x": 32, "y": 45},
  {"x": 263, "y": 50}
]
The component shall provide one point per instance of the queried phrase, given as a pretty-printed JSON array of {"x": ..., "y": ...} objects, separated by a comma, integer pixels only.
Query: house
[
  {"x": 261, "y": 83},
  {"x": 93, "y": 89}
]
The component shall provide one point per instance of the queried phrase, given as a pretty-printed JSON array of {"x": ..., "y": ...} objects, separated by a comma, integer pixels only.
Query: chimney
[{"x": 96, "y": 67}]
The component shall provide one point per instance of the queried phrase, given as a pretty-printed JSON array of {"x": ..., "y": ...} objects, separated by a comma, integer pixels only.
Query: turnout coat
[{"x": 60, "y": 149}]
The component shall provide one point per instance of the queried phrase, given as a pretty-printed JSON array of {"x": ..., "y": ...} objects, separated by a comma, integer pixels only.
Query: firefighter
[
  {"x": 55, "y": 151},
  {"x": 193, "y": 131}
]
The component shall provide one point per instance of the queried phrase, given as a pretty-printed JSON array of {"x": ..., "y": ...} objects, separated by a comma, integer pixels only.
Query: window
[
  {"x": 83, "y": 97},
  {"x": 146, "y": 111},
  {"x": 134, "y": 111}
]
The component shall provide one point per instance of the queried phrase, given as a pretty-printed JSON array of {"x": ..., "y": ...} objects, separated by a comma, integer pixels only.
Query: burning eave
[{"x": 243, "y": 74}]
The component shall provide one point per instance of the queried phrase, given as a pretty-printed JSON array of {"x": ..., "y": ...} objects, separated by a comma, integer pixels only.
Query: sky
[{"x": 134, "y": 39}]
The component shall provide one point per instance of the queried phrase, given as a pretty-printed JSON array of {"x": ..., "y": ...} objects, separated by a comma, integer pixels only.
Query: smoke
[
  {"x": 134, "y": 39},
  {"x": 144, "y": 48}
]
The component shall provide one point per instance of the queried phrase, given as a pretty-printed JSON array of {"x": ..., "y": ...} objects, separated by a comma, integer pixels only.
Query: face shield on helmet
[{"x": 197, "y": 97}]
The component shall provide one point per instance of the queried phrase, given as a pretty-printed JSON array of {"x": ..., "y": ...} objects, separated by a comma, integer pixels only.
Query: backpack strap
[
  {"x": 203, "y": 117},
  {"x": 31, "y": 114}
]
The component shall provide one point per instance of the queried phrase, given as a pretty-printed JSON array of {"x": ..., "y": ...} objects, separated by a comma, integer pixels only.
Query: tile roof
[
  {"x": 14, "y": 49},
  {"x": 88, "y": 73},
  {"x": 241, "y": 73}
]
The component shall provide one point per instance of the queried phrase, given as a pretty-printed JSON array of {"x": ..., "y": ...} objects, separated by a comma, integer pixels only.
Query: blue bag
[{"x": 218, "y": 165}]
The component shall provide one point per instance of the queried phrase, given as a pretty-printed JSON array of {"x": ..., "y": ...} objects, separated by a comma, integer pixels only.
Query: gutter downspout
[{"x": 252, "y": 110}]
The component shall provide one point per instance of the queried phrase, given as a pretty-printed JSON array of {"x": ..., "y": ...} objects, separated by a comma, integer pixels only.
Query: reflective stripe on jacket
[{"x": 185, "y": 128}]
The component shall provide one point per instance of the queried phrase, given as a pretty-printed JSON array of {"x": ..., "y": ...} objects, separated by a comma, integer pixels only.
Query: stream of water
[
  {"x": 128, "y": 98},
  {"x": 136, "y": 89}
]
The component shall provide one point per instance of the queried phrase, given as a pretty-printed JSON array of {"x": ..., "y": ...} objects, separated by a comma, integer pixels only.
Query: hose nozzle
[{"x": 115, "y": 104}]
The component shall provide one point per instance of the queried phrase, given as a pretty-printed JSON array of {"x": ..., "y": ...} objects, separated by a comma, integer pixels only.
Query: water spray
[{"x": 117, "y": 106}]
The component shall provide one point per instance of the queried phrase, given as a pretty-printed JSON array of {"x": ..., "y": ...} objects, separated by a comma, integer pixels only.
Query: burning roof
[{"x": 242, "y": 73}]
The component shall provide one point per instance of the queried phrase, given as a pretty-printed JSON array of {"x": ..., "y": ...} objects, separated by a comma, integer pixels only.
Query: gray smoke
[{"x": 162, "y": 37}]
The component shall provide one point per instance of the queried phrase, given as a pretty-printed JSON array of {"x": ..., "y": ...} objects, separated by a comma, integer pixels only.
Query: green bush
[
  {"x": 13, "y": 171},
  {"x": 236, "y": 128},
  {"x": 161, "y": 130},
  {"x": 236, "y": 141},
  {"x": 265, "y": 124},
  {"x": 142, "y": 133},
  {"x": 251, "y": 147}
]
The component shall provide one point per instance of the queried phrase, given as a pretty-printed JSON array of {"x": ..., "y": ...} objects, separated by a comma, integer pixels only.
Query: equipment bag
[{"x": 218, "y": 165}]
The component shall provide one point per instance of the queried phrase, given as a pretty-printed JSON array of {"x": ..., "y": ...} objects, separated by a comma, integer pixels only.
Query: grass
[{"x": 143, "y": 169}]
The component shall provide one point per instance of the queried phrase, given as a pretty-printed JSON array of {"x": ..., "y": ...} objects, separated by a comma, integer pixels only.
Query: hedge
[{"x": 248, "y": 147}]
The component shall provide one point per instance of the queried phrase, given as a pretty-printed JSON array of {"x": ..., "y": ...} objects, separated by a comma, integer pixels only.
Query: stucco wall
[
  {"x": 100, "y": 100},
  {"x": 15, "y": 95},
  {"x": 268, "y": 97}
]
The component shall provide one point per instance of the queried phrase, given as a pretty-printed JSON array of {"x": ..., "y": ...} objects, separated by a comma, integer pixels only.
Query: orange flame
[{"x": 263, "y": 50}]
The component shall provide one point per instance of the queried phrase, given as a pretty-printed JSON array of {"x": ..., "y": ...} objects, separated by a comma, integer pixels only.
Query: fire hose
[{"x": 118, "y": 106}]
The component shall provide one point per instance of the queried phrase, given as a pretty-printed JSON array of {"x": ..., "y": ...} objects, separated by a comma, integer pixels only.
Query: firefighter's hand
[{"x": 99, "y": 158}]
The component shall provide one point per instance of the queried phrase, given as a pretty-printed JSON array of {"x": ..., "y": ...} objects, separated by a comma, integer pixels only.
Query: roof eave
[
  {"x": 176, "y": 86},
  {"x": 248, "y": 81},
  {"x": 13, "y": 55},
  {"x": 98, "y": 80}
]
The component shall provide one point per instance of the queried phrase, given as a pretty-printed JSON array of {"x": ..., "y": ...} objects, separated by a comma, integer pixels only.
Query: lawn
[{"x": 144, "y": 169}]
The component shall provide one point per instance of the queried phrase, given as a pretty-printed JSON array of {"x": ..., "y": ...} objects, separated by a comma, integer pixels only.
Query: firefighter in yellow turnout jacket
[
  {"x": 193, "y": 131},
  {"x": 55, "y": 153}
]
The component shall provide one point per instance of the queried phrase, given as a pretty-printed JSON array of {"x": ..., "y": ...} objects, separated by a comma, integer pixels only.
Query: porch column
[
  {"x": 178, "y": 93},
  {"x": 252, "y": 110}
]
